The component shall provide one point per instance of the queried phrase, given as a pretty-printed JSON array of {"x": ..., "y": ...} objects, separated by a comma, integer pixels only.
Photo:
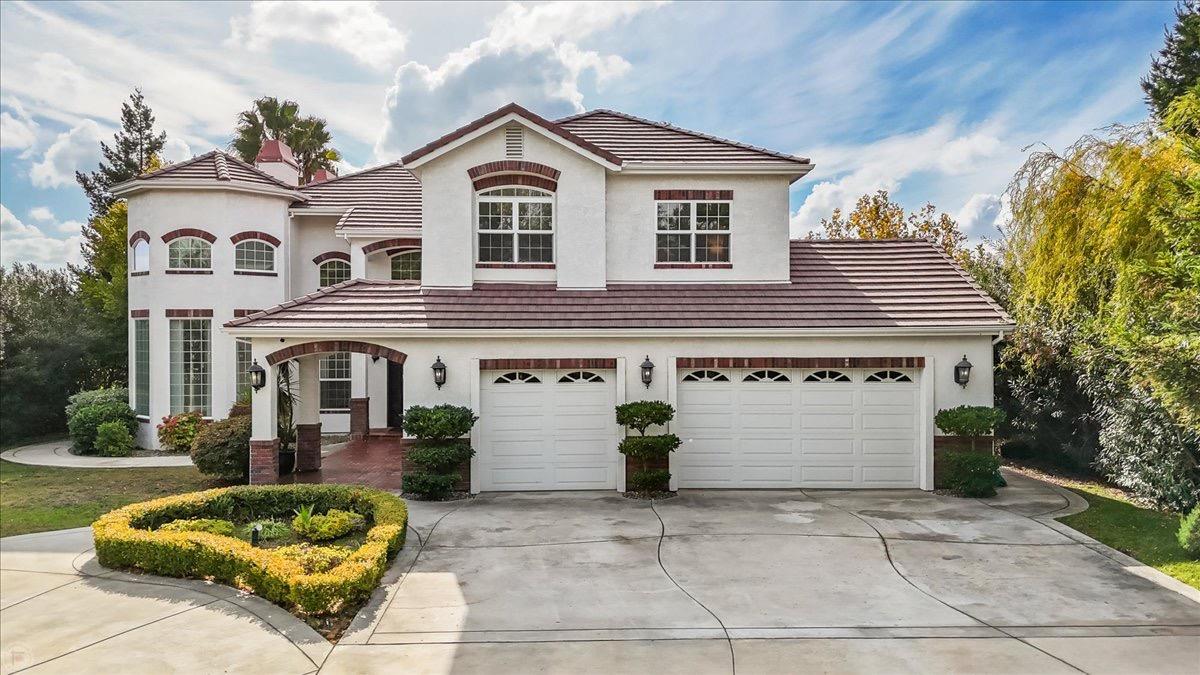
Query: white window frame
[
  {"x": 238, "y": 247},
  {"x": 692, "y": 231},
  {"x": 392, "y": 261},
  {"x": 141, "y": 367},
  {"x": 242, "y": 358},
  {"x": 171, "y": 244},
  {"x": 543, "y": 197},
  {"x": 333, "y": 261},
  {"x": 142, "y": 245},
  {"x": 183, "y": 387},
  {"x": 323, "y": 377}
]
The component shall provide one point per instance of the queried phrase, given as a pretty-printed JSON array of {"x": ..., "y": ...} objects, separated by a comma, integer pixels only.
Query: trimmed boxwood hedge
[{"x": 129, "y": 538}]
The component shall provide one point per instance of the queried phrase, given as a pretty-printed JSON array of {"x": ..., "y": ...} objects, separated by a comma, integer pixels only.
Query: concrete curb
[{"x": 58, "y": 454}]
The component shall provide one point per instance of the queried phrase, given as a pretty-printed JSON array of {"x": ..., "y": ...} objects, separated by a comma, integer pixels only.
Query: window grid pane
[
  {"x": 712, "y": 247},
  {"x": 674, "y": 248},
  {"x": 495, "y": 215},
  {"x": 535, "y": 216},
  {"x": 406, "y": 267},
  {"x": 141, "y": 367},
  {"x": 189, "y": 253},
  {"x": 712, "y": 216},
  {"x": 190, "y": 359},
  {"x": 253, "y": 255},
  {"x": 674, "y": 216},
  {"x": 536, "y": 247},
  {"x": 334, "y": 376},
  {"x": 334, "y": 272},
  {"x": 242, "y": 365},
  {"x": 495, "y": 247}
]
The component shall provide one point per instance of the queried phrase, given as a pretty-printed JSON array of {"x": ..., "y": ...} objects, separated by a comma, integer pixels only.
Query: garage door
[
  {"x": 798, "y": 428},
  {"x": 548, "y": 430}
]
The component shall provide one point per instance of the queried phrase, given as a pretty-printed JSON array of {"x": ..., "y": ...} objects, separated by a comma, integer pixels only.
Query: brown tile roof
[
  {"x": 835, "y": 284},
  {"x": 634, "y": 139},
  {"x": 384, "y": 196},
  {"x": 216, "y": 165}
]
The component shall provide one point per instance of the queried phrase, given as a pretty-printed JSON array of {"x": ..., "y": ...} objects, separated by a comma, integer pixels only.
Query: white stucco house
[{"x": 543, "y": 264}]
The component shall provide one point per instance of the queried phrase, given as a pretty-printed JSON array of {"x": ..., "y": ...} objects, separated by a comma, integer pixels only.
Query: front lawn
[
  {"x": 40, "y": 498},
  {"x": 1143, "y": 533}
]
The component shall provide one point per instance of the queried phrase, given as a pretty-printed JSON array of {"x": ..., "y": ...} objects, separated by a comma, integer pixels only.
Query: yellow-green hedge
[{"x": 125, "y": 539}]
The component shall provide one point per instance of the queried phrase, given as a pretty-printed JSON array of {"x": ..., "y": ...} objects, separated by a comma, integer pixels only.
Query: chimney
[
  {"x": 275, "y": 158},
  {"x": 321, "y": 176}
]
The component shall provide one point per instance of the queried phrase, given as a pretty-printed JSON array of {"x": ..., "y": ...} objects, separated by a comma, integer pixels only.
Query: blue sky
[{"x": 934, "y": 102}]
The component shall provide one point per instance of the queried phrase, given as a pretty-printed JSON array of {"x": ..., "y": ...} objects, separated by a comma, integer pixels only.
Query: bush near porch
[
  {"x": 133, "y": 537},
  {"x": 440, "y": 448},
  {"x": 650, "y": 451}
]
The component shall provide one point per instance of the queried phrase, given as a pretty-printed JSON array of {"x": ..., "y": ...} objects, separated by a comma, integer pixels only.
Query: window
[
  {"x": 254, "y": 256},
  {"x": 766, "y": 376},
  {"x": 827, "y": 376},
  {"x": 242, "y": 364},
  {"x": 692, "y": 232},
  {"x": 190, "y": 362},
  {"x": 888, "y": 376},
  {"x": 532, "y": 238},
  {"x": 334, "y": 377},
  {"x": 189, "y": 253},
  {"x": 141, "y": 256},
  {"x": 580, "y": 376},
  {"x": 406, "y": 266},
  {"x": 334, "y": 272},
  {"x": 705, "y": 376},
  {"x": 141, "y": 366},
  {"x": 510, "y": 378}
]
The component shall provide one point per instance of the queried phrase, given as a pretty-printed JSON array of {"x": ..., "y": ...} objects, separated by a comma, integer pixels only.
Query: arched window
[
  {"x": 766, "y": 376},
  {"x": 827, "y": 376},
  {"x": 515, "y": 225},
  {"x": 705, "y": 376},
  {"x": 580, "y": 376},
  {"x": 513, "y": 378},
  {"x": 189, "y": 253},
  {"x": 334, "y": 272},
  {"x": 888, "y": 376},
  {"x": 406, "y": 266},
  {"x": 254, "y": 255},
  {"x": 141, "y": 256}
]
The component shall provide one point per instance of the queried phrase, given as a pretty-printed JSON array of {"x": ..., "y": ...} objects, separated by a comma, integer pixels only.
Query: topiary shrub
[
  {"x": 176, "y": 432},
  {"x": 210, "y": 525},
  {"x": 641, "y": 415},
  {"x": 222, "y": 448},
  {"x": 649, "y": 480},
  {"x": 433, "y": 460},
  {"x": 93, "y": 396},
  {"x": 86, "y": 420},
  {"x": 969, "y": 420},
  {"x": 1189, "y": 532},
  {"x": 970, "y": 474},
  {"x": 114, "y": 440}
]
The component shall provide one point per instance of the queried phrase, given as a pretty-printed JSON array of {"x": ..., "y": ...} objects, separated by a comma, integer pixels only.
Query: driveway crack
[{"x": 728, "y": 638}]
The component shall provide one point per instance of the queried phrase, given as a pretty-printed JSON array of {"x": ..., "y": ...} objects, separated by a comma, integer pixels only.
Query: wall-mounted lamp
[
  {"x": 647, "y": 371},
  {"x": 258, "y": 376},
  {"x": 962, "y": 372},
  {"x": 439, "y": 372}
]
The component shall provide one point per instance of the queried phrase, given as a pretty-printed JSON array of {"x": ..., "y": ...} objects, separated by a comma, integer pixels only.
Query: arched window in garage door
[
  {"x": 827, "y": 376},
  {"x": 517, "y": 378},
  {"x": 705, "y": 376},
  {"x": 888, "y": 376},
  {"x": 766, "y": 376},
  {"x": 580, "y": 376}
]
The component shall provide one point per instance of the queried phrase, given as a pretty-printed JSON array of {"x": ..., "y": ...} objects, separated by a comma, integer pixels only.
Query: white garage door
[
  {"x": 798, "y": 428},
  {"x": 548, "y": 430}
]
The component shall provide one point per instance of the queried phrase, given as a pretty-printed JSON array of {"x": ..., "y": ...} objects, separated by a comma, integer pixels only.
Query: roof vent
[{"x": 514, "y": 142}]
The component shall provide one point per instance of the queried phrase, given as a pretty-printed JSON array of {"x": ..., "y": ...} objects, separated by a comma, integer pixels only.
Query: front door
[{"x": 395, "y": 394}]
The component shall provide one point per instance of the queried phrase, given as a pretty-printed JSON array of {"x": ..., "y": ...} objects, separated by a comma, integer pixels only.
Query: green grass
[{"x": 40, "y": 498}]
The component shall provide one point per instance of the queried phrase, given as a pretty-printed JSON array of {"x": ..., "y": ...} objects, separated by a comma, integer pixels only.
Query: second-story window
[
  {"x": 254, "y": 256},
  {"x": 516, "y": 225},
  {"x": 141, "y": 256},
  {"x": 189, "y": 253},
  {"x": 406, "y": 266},
  {"x": 692, "y": 232},
  {"x": 334, "y": 272}
]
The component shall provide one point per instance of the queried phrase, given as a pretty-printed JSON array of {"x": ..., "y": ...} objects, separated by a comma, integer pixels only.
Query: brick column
[
  {"x": 360, "y": 418},
  {"x": 264, "y": 462},
  {"x": 308, "y": 447}
]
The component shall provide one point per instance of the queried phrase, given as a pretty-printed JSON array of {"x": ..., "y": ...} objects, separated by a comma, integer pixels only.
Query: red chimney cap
[
  {"x": 275, "y": 150},
  {"x": 322, "y": 175}
]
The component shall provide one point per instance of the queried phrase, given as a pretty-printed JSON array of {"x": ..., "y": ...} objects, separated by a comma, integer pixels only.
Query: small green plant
[
  {"x": 303, "y": 519},
  {"x": 269, "y": 529},
  {"x": 433, "y": 461},
  {"x": 969, "y": 420},
  {"x": 315, "y": 559},
  {"x": 1189, "y": 532},
  {"x": 85, "y": 423},
  {"x": 177, "y": 432},
  {"x": 649, "y": 480},
  {"x": 222, "y": 448},
  {"x": 210, "y": 525},
  {"x": 333, "y": 524},
  {"x": 640, "y": 416},
  {"x": 114, "y": 440},
  {"x": 971, "y": 474}
]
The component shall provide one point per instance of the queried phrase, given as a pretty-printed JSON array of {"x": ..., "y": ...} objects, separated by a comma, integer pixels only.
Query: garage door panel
[
  {"x": 890, "y": 475},
  {"x": 707, "y": 447},
  {"x": 768, "y": 475},
  {"x": 827, "y": 421},
  {"x": 816, "y": 474},
  {"x": 528, "y": 477},
  {"x": 773, "y": 395},
  {"x": 707, "y": 475},
  {"x": 717, "y": 395},
  {"x": 898, "y": 422},
  {"x": 579, "y": 423},
  {"x": 774, "y": 421},
  {"x": 517, "y": 449},
  {"x": 767, "y": 446},
  {"x": 826, "y": 446},
  {"x": 889, "y": 446},
  {"x": 583, "y": 477},
  {"x": 821, "y": 396},
  {"x": 882, "y": 394},
  {"x": 718, "y": 419}
]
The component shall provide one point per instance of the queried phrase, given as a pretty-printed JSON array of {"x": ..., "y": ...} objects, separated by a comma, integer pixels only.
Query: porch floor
[{"x": 374, "y": 461}]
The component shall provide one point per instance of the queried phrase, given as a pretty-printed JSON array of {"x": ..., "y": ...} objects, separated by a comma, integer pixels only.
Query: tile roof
[
  {"x": 384, "y": 196},
  {"x": 634, "y": 139},
  {"x": 216, "y": 165},
  {"x": 834, "y": 284}
]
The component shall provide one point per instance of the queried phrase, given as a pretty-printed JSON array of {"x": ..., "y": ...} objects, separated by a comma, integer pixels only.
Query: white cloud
[
  {"x": 42, "y": 213},
  {"x": 980, "y": 216},
  {"x": 176, "y": 150},
  {"x": 76, "y": 149},
  {"x": 27, "y": 243},
  {"x": 530, "y": 55},
  {"x": 358, "y": 28},
  {"x": 17, "y": 128}
]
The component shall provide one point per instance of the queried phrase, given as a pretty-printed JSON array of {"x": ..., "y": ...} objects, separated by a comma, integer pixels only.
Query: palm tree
[
  {"x": 309, "y": 140},
  {"x": 269, "y": 118}
]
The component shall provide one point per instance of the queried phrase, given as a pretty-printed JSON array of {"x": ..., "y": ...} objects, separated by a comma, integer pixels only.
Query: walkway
[
  {"x": 58, "y": 453},
  {"x": 374, "y": 461}
]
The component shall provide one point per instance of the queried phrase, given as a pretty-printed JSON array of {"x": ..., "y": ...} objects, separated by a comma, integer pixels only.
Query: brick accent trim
[
  {"x": 139, "y": 314},
  {"x": 264, "y": 462},
  {"x": 140, "y": 235},
  {"x": 693, "y": 266},
  {"x": 360, "y": 422},
  {"x": 397, "y": 251},
  {"x": 410, "y": 242},
  {"x": 254, "y": 234},
  {"x": 514, "y": 266},
  {"x": 239, "y": 313},
  {"x": 513, "y": 166},
  {"x": 801, "y": 362},
  {"x": 143, "y": 273},
  {"x": 718, "y": 195},
  {"x": 256, "y": 273},
  {"x": 308, "y": 447},
  {"x": 189, "y": 271},
  {"x": 189, "y": 232},
  {"x": 538, "y": 364},
  {"x": 332, "y": 255},
  {"x": 515, "y": 179},
  {"x": 188, "y": 313},
  {"x": 326, "y": 346}
]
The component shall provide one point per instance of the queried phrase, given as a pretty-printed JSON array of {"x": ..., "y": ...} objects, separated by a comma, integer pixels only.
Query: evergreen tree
[
  {"x": 132, "y": 151},
  {"x": 1177, "y": 66}
]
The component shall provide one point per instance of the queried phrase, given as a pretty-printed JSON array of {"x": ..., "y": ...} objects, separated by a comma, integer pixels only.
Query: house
[{"x": 542, "y": 272}]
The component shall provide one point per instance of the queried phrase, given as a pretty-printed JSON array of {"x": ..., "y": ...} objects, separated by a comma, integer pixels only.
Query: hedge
[{"x": 128, "y": 538}]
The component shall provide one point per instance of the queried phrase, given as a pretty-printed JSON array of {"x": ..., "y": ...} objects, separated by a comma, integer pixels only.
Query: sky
[{"x": 935, "y": 102}]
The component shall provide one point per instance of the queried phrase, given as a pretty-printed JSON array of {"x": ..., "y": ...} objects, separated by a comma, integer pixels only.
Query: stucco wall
[{"x": 313, "y": 236}]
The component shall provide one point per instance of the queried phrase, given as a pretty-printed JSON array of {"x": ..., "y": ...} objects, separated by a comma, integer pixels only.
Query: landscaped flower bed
[{"x": 207, "y": 535}]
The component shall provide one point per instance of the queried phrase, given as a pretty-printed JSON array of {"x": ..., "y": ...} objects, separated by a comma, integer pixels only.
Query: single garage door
[
  {"x": 798, "y": 428},
  {"x": 548, "y": 430}
]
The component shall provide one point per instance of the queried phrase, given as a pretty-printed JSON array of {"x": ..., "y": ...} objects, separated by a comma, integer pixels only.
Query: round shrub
[
  {"x": 641, "y": 415},
  {"x": 971, "y": 474},
  {"x": 650, "y": 480},
  {"x": 223, "y": 448},
  {"x": 649, "y": 447},
  {"x": 1189, "y": 532},
  {"x": 439, "y": 456},
  {"x": 969, "y": 420},
  {"x": 210, "y": 525},
  {"x": 114, "y": 440},
  {"x": 439, "y": 421},
  {"x": 86, "y": 421},
  {"x": 93, "y": 396},
  {"x": 177, "y": 432}
]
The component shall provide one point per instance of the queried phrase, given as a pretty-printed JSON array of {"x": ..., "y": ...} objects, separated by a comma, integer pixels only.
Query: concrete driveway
[{"x": 776, "y": 581}]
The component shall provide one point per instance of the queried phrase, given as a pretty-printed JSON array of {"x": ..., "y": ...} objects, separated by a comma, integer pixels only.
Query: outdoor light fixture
[
  {"x": 255, "y": 534},
  {"x": 439, "y": 372},
  {"x": 962, "y": 372},
  {"x": 647, "y": 371},
  {"x": 258, "y": 376}
]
